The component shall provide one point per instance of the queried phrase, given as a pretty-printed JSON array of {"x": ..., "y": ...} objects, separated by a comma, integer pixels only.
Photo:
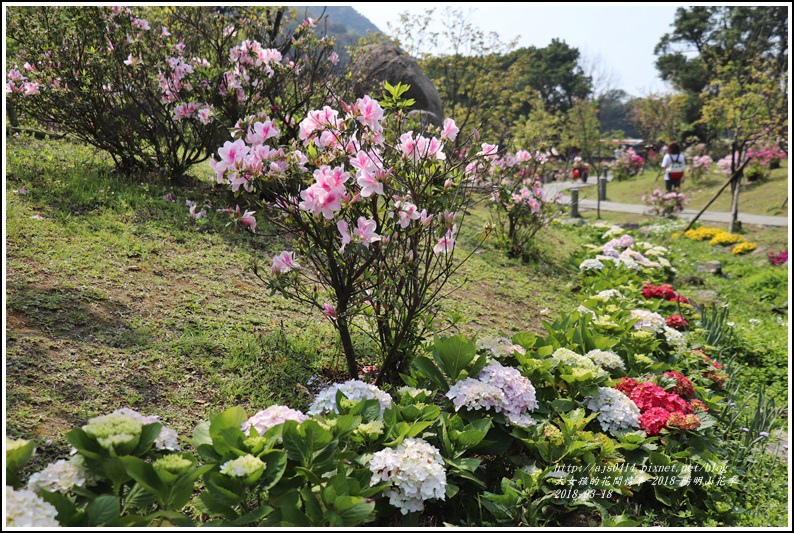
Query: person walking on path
[{"x": 674, "y": 164}]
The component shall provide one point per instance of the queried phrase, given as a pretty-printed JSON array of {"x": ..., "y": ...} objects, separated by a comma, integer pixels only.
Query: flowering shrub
[
  {"x": 665, "y": 204},
  {"x": 368, "y": 205},
  {"x": 628, "y": 165},
  {"x": 152, "y": 87},
  {"x": 677, "y": 322},
  {"x": 701, "y": 164},
  {"x": 724, "y": 238},
  {"x": 743, "y": 248},
  {"x": 520, "y": 207},
  {"x": 779, "y": 258}
]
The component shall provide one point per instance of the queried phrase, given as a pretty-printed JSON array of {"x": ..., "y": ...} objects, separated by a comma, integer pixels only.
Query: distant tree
[
  {"x": 658, "y": 116},
  {"x": 718, "y": 36},
  {"x": 614, "y": 113}
]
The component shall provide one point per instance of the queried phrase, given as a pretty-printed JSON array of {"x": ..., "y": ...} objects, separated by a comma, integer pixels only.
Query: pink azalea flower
[
  {"x": 284, "y": 262},
  {"x": 165, "y": 32},
  {"x": 329, "y": 311},
  {"x": 249, "y": 220},
  {"x": 38, "y": 216},
  {"x": 132, "y": 61},
  {"x": 490, "y": 151},
  {"x": 366, "y": 231},
  {"x": 196, "y": 215},
  {"x": 424, "y": 218},
  {"x": 262, "y": 132},
  {"x": 333, "y": 58},
  {"x": 449, "y": 130},
  {"x": 406, "y": 212},
  {"x": 447, "y": 243},
  {"x": 345, "y": 232},
  {"x": 233, "y": 152},
  {"x": 371, "y": 113},
  {"x": 369, "y": 185}
]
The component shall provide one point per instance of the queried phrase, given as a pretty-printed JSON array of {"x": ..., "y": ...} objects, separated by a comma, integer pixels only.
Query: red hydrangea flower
[
  {"x": 664, "y": 291},
  {"x": 682, "y": 421},
  {"x": 680, "y": 299},
  {"x": 626, "y": 385},
  {"x": 654, "y": 420},
  {"x": 698, "y": 406},
  {"x": 677, "y": 322},
  {"x": 648, "y": 395},
  {"x": 683, "y": 386},
  {"x": 716, "y": 377}
]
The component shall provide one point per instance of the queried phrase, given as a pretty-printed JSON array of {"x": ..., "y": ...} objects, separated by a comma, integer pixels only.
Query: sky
[{"x": 620, "y": 37}]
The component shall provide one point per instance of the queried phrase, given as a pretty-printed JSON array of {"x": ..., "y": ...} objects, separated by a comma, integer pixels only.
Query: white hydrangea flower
[
  {"x": 166, "y": 440},
  {"x": 59, "y": 476},
  {"x": 613, "y": 231},
  {"x": 648, "y": 320},
  {"x": 271, "y": 417},
  {"x": 24, "y": 508},
  {"x": 414, "y": 392},
  {"x": 616, "y": 410},
  {"x": 499, "y": 347},
  {"x": 573, "y": 359},
  {"x": 664, "y": 262},
  {"x": 585, "y": 311},
  {"x": 608, "y": 294},
  {"x": 675, "y": 337},
  {"x": 415, "y": 472},
  {"x": 629, "y": 255},
  {"x": 244, "y": 466},
  {"x": 473, "y": 394},
  {"x": 591, "y": 264},
  {"x": 355, "y": 390},
  {"x": 606, "y": 359}
]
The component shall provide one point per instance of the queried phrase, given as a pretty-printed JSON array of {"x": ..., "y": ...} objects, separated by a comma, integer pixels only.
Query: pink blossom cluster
[
  {"x": 665, "y": 204},
  {"x": 763, "y": 155},
  {"x": 702, "y": 161},
  {"x": 16, "y": 82}
]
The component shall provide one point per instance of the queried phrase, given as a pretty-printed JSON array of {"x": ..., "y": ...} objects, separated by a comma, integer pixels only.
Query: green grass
[{"x": 757, "y": 198}]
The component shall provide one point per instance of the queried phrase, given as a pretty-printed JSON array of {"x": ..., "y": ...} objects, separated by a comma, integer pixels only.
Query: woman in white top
[{"x": 674, "y": 165}]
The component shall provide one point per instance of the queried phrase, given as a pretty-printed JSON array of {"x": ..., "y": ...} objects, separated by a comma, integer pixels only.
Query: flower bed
[{"x": 619, "y": 410}]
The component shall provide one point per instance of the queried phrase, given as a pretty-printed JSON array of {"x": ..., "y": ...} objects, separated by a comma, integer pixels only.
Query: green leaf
[
  {"x": 453, "y": 354},
  {"x": 478, "y": 365},
  {"x": 356, "y": 514},
  {"x": 255, "y": 515},
  {"x": 66, "y": 509},
  {"x": 104, "y": 511},
  {"x": 149, "y": 433},
  {"x": 230, "y": 419},
  {"x": 17, "y": 458},
  {"x": 525, "y": 339},
  {"x": 85, "y": 444},
  {"x": 314, "y": 511},
  {"x": 208, "y": 504},
  {"x": 146, "y": 476},
  {"x": 275, "y": 466},
  {"x": 201, "y": 435},
  {"x": 429, "y": 368},
  {"x": 139, "y": 498},
  {"x": 181, "y": 491},
  {"x": 563, "y": 405},
  {"x": 114, "y": 469}
]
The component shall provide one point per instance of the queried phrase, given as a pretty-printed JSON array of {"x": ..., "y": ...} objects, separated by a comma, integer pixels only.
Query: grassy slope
[{"x": 758, "y": 198}]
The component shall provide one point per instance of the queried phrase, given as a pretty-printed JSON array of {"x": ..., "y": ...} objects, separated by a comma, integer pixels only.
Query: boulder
[
  {"x": 384, "y": 62},
  {"x": 711, "y": 267}
]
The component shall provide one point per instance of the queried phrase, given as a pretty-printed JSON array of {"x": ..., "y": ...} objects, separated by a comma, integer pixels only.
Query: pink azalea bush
[
  {"x": 373, "y": 209},
  {"x": 520, "y": 206},
  {"x": 152, "y": 87},
  {"x": 665, "y": 204},
  {"x": 628, "y": 165}
]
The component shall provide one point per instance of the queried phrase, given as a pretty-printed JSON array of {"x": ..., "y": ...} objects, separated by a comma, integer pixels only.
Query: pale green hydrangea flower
[
  {"x": 113, "y": 430},
  {"x": 244, "y": 466},
  {"x": 173, "y": 464}
]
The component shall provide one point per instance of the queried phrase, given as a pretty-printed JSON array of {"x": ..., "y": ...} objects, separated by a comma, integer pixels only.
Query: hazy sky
[{"x": 621, "y": 36}]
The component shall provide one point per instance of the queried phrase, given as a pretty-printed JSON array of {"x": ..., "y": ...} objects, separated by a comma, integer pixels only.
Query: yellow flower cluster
[
  {"x": 743, "y": 248},
  {"x": 725, "y": 238},
  {"x": 702, "y": 234}
]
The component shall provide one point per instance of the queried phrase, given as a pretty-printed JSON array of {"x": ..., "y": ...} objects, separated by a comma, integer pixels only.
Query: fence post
[
  {"x": 574, "y": 202},
  {"x": 602, "y": 189}
]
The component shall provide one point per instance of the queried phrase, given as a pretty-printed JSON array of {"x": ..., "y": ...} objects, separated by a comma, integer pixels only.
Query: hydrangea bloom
[
  {"x": 271, "y": 417},
  {"x": 608, "y": 294},
  {"x": 26, "y": 509},
  {"x": 654, "y": 420},
  {"x": 683, "y": 387},
  {"x": 244, "y": 466},
  {"x": 59, "y": 476},
  {"x": 591, "y": 264},
  {"x": 675, "y": 338},
  {"x": 606, "y": 359},
  {"x": 414, "y": 392},
  {"x": 574, "y": 360},
  {"x": 114, "y": 429},
  {"x": 499, "y": 347},
  {"x": 356, "y": 390},
  {"x": 166, "y": 440},
  {"x": 474, "y": 394},
  {"x": 648, "y": 320},
  {"x": 616, "y": 410},
  {"x": 517, "y": 390},
  {"x": 415, "y": 472}
]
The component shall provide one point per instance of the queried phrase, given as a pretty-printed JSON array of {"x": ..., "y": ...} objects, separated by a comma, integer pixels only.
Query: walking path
[{"x": 587, "y": 200}]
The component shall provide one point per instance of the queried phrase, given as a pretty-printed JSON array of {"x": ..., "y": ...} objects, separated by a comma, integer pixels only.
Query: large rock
[{"x": 382, "y": 62}]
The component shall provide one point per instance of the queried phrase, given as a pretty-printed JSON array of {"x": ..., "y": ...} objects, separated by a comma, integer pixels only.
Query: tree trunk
[
  {"x": 735, "y": 203},
  {"x": 347, "y": 346}
]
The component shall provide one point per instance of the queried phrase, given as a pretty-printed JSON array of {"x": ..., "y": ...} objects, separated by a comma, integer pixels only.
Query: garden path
[{"x": 588, "y": 193}]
